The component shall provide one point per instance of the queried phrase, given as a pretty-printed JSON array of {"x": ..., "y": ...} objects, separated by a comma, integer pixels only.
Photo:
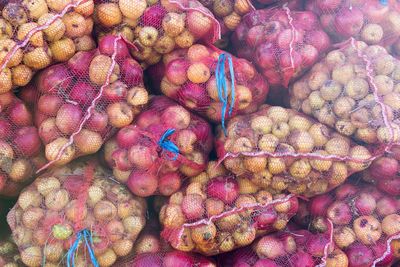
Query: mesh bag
[
  {"x": 374, "y": 22},
  {"x": 165, "y": 144},
  {"x": 210, "y": 82},
  {"x": 365, "y": 221},
  {"x": 217, "y": 212},
  {"x": 354, "y": 89},
  {"x": 20, "y": 146},
  {"x": 282, "y": 43},
  {"x": 36, "y": 33},
  {"x": 76, "y": 215},
  {"x": 384, "y": 172},
  {"x": 299, "y": 248},
  {"x": 157, "y": 27},
  {"x": 82, "y": 102},
  {"x": 283, "y": 150}
]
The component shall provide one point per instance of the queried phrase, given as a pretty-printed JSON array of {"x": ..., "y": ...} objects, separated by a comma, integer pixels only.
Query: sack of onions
[{"x": 76, "y": 215}]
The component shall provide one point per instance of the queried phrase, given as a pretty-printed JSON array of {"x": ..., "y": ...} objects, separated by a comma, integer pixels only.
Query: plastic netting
[
  {"x": 37, "y": 33},
  {"x": 354, "y": 89},
  {"x": 374, "y": 22},
  {"x": 21, "y": 152},
  {"x": 157, "y": 27},
  {"x": 298, "y": 248},
  {"x": 216, "y": 212},
  {"x": 210, "y": 82},
  {"x": 282, "y": 43},
  {"x": 365, "y": 221},
  {"x": 283, "y": 150},
  {"x": 76, "y": 215},
  {"x": 82, "y": 102},
  {"x": 164, "y": 145}
]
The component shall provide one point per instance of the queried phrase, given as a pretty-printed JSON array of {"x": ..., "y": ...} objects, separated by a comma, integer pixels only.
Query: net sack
[
  {"x": 365, "y": 221},
  {"x": 216, "y": 212},
  {"x": 165, "y": 144},
  {"x": 157, "y": 27},
  {"x": 282, "y": 43},
  {"x": 210, "y": 82},
  {"x": 299, "y": 248},
  {"x": 76, "y": 215},
  {"x": 82, "y": 102},
  {"x": 354, "y": 90},
  {"x": 283, "y": 150},
  {"x": 373, "y": 22},
  {"x": 21, "y": 151},
  {"x": 37, "y": 33}
]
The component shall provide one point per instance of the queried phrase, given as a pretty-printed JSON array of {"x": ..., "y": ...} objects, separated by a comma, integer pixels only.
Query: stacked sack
[{"x": 36, "y": 33}]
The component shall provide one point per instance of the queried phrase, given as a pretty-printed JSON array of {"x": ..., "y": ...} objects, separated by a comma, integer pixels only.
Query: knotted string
[
  {"x": 223, "y": 88},
  {"x": 167, "y": 145},
  {"x": 87, "y": 237}
]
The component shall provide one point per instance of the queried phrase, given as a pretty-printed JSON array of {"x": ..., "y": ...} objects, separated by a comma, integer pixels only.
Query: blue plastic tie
[
  {"x": 383, "y": 2},
  {"x": 87, "y": 237},
  {"x": 166, "y": 144},
  {"x": 223, "y": 88}
]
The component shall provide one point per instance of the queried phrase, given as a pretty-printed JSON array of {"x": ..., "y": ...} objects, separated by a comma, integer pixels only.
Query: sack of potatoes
[
  {"x": 156, "y": 27},
  {"x": 21, "y": 151},
  {"x": 164, "y": 145},
  {"x": 281, "y": 42},
  {"x": 82, "y": 102},
  {"x": 374, "y": 22},
  {"x": 297, "y": 248},
  {"x": 364, "y": 223},
  {"x": 216, "y": 212},
  {"x": 78, "y": 215},
  {"x": 210, "y": 82},
  {"x": 354, "y": 89},
  {"x": 37, "y": 33},
  {"x": 282, "y": 150}
]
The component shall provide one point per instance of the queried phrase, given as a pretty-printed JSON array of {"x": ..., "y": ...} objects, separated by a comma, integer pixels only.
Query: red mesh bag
[
  {"x": 9, "y": 254},
  {"x": 283, "y": 150},
  {"x": 282, "y": 43},
  {"x": 36, "y": 33},
  {"x": 374, "y": 22},
  {"x": 165, "y": 144},
  {"x": 299, "y": 248},
  {"x": 365, "y": 222},
  {"x": 216, "y": 212},
  {"x": 354, "y": 90},
  {"x": 82, "y": 102},
  {"x": 76, "y": 215},
  {"x": 20, "y": 147},
  {"x": 157, "y": 27},
  {"x": 211, "y": 82}
]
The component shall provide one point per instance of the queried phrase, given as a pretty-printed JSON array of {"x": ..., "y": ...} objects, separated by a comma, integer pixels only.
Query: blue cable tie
[
  {"x": 87, "y": 237},
  {"x": 384, "y": 2},
  {"x": 223, "y": 88},
  {"x": 167, "y": 145}
]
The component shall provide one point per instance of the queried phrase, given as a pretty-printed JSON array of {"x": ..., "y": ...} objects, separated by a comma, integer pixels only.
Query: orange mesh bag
[
  {"x": 282, "y": 43},
  {"x": 76, "y": 215},
  {"x": 9, "y": 254},
  {"x": 156, "y": 27},
  {"x": 20, "y": 146},
  {"x": 299, "y": 248},
  {"x": 374, "y": 22},
  {"x": 282, "y": 150},
  {"x": 354, "y": 89},
  {"x": 82, "y": 102},
  {"x": 365, "y": 223},
  {"x": 216, "y": 212},
  {"x": 210, "y": 82},
  {"x": 37, "y": 33},
  {"x": 165, "y": 144}
]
